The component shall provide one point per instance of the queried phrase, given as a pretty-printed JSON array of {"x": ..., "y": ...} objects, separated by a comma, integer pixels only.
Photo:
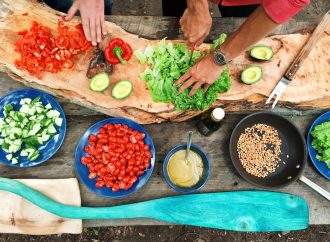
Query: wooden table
[{"x": 223, "y": 176}]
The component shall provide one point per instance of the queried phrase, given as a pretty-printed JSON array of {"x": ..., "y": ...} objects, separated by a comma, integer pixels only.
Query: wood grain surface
[
  {"x": 308, "y": 47},
  {"x": 20, "y": 216},
  {"x": 223, "y": 176},
  {"x": 307, "y": 90}
]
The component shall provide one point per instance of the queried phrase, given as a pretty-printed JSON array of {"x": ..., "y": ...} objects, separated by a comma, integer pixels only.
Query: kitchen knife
[{"x": 299, "y": 60}]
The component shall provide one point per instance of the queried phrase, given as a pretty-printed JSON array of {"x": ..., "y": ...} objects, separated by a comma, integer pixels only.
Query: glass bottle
[{"x": 210, "y": 121}]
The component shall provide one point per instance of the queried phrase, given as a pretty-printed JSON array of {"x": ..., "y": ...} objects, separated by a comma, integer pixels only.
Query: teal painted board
[{"x": 255, "y": 211}]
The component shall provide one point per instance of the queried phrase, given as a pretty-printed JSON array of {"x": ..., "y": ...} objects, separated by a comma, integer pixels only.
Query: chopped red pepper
[
  {"x": 41, "y": 51},
  {"x": 118, "y": 52}
]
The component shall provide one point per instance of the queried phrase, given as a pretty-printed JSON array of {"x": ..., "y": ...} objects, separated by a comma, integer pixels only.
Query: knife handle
[{"x": 311, "y": 42}]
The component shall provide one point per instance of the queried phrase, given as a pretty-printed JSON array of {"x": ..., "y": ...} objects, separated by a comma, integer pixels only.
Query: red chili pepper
[{"x": 118, "y": 51}]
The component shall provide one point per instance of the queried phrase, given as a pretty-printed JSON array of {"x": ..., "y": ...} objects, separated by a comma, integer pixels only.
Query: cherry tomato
[
  {"x": 92, "y": 175},
  {"x": 132, "y": 138},
  {"x": 92, "y": 138},
  {"x": 99, "y": 184},
  {"x": 117, "y": 156}
]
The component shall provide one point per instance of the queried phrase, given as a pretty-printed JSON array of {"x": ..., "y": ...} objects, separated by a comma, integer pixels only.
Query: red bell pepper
[{"x": 118, "y": 51}]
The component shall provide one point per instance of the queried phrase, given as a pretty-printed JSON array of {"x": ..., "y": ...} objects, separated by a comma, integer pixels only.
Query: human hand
[
  {"x": 92, "y": 16},
  {"x": 200, "y": 75},
  {"x": 196, "y": 21}
]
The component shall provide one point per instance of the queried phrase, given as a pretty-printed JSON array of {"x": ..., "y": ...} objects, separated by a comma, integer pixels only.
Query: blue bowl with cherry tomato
[{"x": 115, "y": 157}]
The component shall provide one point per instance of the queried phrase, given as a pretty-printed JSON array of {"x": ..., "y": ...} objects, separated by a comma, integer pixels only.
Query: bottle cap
[{"x": 218, "y": 114}]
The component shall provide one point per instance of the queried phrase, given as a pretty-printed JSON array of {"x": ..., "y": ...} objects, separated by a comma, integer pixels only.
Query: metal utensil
[
  {"x": 298, "y": 61},
  {"x": 189, "y": 139},
  {"x": 315, "y": 187}
]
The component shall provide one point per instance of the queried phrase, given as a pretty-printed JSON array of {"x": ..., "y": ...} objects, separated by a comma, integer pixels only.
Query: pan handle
[{"x": 316, "y": 187}]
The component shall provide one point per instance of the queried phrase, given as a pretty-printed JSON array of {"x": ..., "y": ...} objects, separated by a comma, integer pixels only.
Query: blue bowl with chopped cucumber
[{"x": 32, "y": 127}]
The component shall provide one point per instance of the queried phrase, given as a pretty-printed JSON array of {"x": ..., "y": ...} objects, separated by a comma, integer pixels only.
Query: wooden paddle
[{"x": 241, "y": 211}]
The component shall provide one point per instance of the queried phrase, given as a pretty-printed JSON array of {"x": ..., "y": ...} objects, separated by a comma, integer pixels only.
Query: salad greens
[
  {"x": 27, "y": 128},
  {"x": 168, "y": 62},
  {"x": 321, "y": 142}
]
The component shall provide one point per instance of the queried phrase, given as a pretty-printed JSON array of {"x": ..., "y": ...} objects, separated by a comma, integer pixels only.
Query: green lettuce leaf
[{"x": 168, "y": 62}]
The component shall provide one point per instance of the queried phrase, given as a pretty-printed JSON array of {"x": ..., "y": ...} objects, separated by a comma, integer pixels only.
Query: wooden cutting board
[
  {"x": 310, "y": 88},
  {"x": 20, "y": 216}
]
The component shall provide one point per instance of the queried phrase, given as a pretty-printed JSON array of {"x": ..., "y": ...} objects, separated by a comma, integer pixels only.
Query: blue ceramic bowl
[
  {"x": 83, "y": 171},
  {"x": 320, "y": 166},
  {"x": 48, "y": 149},
  {"x": 206, "y": 172}
]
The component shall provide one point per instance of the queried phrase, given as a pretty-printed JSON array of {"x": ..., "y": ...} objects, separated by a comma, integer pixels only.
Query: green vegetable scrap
[
  {"x": 168, "y": 62},
  {"x": 321, "y": 142}
]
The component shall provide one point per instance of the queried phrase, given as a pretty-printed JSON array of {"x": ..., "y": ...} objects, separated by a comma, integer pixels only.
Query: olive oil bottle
[{"x": 210, "y": 121}]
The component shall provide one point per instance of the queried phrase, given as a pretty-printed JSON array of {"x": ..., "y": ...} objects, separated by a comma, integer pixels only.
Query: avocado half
[
  {"x": 251, "y": 74},
  {"x": 261, "y": 52}
]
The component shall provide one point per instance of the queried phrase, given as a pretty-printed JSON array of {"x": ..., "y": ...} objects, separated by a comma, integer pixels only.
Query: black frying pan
[
  {"x": 294, "y": 153},
  {"x": 293, "y": 145}
]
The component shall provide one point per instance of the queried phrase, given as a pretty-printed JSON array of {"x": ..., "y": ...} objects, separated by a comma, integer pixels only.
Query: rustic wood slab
[
  {"x": 307, "y": 90},
  {"x": 223, "y": 176},
  {"x": 22, "y": 217}
]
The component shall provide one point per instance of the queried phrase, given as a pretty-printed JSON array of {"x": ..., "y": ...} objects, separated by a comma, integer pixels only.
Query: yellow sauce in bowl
[{"x": 185, "y": 173}]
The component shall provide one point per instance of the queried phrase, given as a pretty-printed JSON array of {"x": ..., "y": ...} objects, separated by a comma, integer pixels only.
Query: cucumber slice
[
  {"x": 122, "y": 89},
  {"x": 9, "y": 156},
  {"x": 12, "y": 136},
  {"x": 99, "y": 82},
  {"x": 48, "y": 106},
  {"x": 58, "y": 122},
  {"x": 24, "y": 153},
  {"x": 45, "y": 137},
  {"x": 40, "y": 109},
  {"x": 14, "y": 148},
  {"x": 261, "y": 52},
  {"x": 24, "y": 109},
  {"x": 34, "y": 155},
  {"x": 251, "y": 74},
  {"x": 51, "y": 129},
  {"x": 14, "y": 160},
  {"x": 27, "y": 100},
  {"x": 40, "y": 141}
]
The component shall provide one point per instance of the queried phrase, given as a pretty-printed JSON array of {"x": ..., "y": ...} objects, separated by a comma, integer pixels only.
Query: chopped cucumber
[
  {"x": 48, "y": 106},
  {"x": 51, "y": 129},
  {"x": 9, "y": 156},
  {"x": 45, "y": 137},
  {"x": 58, "y": 122},
  {"x": 27, "y": 100},
  {"x": 30, "y": 126},
  {"x": 24, "y": 153},
  {"x": 24, "y": 108},
  {"x": 14, "y": 160}
]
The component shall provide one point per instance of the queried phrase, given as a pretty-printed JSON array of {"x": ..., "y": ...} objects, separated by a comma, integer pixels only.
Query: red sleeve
[{"x": 282, "y": 10}]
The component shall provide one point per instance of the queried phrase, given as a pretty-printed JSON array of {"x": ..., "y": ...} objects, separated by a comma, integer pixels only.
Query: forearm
[
  {"x": 198, "y": 6},
  {"x": 257, "y": 26}
]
